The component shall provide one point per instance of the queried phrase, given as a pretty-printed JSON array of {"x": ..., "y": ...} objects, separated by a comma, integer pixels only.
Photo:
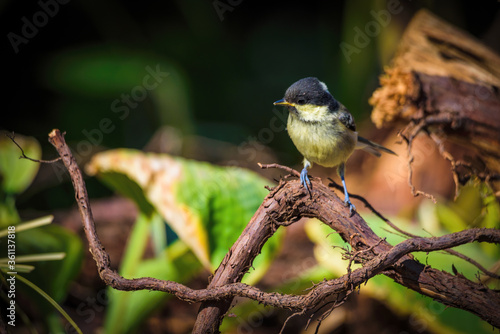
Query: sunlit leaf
[{"x": 207, "y": 206}]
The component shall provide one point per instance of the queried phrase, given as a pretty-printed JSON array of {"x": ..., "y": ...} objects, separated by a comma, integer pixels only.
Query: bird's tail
[{"x": 371, "y": 147}]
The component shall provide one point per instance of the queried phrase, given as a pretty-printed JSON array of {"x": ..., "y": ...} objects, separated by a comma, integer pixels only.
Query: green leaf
[
  {"x": 469, "y": 204},
  {"x": 128, "y": 309},
  {"x": 449, "y": 218},
  {"x": 207, "y": 206},
  {"x": 50, "y": 239},
  {"x": 224, "y": 199},
  {"x": 8, "y": 212},
  {"x": 17, "y": 174}
]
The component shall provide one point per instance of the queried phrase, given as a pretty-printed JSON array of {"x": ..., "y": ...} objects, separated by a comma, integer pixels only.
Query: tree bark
[
  {"x": 287, "y": 203},
  {"x": 444, "y": 82}
]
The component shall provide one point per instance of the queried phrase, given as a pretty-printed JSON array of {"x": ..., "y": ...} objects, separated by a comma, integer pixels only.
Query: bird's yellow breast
[{"x": 328, "y": 143}]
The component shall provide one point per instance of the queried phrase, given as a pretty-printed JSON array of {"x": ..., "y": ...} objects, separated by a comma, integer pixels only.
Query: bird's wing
[{"x": 346, "y": 118}]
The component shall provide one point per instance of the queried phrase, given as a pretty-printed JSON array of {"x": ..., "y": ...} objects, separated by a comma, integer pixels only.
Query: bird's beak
[{"x": 282, "y": 102}]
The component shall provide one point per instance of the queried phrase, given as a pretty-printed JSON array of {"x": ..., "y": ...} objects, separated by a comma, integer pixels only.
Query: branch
[
  {"x": 408, "y": 234},
  {"x": 12, "y": 137},
  {"x": 287, "y": 203}
]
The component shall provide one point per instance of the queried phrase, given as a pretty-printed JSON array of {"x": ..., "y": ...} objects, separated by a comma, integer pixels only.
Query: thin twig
[
  {"x": 286, "y": 168},
  {"x": 289, "y": 318},
  {"x": 409, "y": 141},
  {"x": 24, "y": 156}
]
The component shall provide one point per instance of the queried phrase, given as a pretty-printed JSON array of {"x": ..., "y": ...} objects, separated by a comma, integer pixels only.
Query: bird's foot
[
  {"x": 348, "y": 203},
  {"x": 304, "y": 178}
]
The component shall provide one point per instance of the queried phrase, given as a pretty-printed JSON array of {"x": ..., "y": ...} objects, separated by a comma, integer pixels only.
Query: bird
[{"x": 323, "y": 130}]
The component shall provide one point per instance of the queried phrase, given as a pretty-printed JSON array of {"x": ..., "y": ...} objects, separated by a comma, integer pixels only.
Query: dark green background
[{"x": 233, "y": 69}]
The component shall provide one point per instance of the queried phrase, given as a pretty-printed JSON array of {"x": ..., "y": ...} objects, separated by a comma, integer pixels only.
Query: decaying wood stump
[{"x": 444, "y": 82}]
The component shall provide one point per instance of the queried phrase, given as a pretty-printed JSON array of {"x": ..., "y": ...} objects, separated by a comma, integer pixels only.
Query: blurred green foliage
[
  {"x": 207, "y": 206},
  {"x": 225, "y": 68},
  {"x": 53, "y": 277}
]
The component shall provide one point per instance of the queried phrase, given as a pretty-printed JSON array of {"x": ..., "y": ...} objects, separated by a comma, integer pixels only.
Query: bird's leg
[
  {"x": 304, "y": 178},
  {"x": 347, "y": 201}
]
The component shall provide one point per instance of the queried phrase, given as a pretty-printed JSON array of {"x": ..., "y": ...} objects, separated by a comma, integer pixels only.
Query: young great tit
[{"x": 322, "y": 129}]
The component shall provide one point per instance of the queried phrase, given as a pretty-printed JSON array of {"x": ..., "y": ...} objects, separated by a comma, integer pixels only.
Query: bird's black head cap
[{"x": 309, "y": 91}]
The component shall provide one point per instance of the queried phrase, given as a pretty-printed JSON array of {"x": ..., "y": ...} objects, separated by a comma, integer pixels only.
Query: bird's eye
[{"x": 301, "y": 101}]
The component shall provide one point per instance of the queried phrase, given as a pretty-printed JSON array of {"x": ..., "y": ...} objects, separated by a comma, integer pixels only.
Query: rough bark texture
[
  {"x": 446, "y": 83},
  {"x": 285, "y": 204}
]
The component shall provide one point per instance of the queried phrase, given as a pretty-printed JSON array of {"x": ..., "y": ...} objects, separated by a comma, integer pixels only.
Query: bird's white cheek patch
[{"x": 312, "y": 113}]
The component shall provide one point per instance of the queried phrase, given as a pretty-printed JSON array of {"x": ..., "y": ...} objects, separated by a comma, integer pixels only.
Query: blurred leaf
[
  {"x": 128, "y": 309},
  {"x": 56, "y": 255},
  {"x": 49, "y": 239},
  {"x": 423, "y": 311},
  {"x": 449, "y": 218},
  {"x": 8, "y": 212},
  {"x": 469, "y": 204},
  {"x": 123, "y": 79},
  {"x": 491, "y": 220},
  {"x": 125, "y": 185},
  {"x": 17, "y": 174},
  {"x": 207, "y": 206},
  {"x": 158, "y": 234},
  {"x": 96, "y": 71},
  {"x": 327, "y": 246},
  {"x": 467, "y": 211},
  {"x": 132, "y": 258},
  {"x": 51, "y": 301},
  {"x": 401, "y": 300}
]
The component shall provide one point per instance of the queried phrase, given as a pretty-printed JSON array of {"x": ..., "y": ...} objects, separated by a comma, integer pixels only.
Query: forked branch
[{"x": 285, "y": 204}]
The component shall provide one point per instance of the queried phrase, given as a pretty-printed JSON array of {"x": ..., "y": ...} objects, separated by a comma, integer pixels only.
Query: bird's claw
[
  {"x": 348, "y": 203},
  {"x": 304, "y": 179}
]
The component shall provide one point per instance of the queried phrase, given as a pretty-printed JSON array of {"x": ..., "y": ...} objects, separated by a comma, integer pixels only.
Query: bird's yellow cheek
[{"x": 312, "y": 113}]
